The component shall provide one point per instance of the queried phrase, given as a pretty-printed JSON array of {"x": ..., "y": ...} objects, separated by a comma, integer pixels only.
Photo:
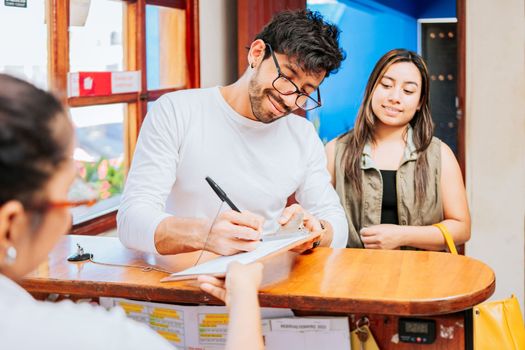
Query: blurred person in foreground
[{"x": 36, "y": 172}]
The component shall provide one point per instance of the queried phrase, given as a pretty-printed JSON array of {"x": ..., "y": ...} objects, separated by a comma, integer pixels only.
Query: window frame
[{"x": 134, "y": 31}]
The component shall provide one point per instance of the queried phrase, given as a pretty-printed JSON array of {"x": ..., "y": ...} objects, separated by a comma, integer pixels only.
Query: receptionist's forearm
[
  {"x": 244, "y": 329},
  {"x": 180, "y": 235}
]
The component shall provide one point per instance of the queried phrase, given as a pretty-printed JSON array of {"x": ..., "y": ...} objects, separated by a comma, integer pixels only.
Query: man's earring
[
  {"x": 10, "y": 256},
  {"x": 252, "y": 65}
]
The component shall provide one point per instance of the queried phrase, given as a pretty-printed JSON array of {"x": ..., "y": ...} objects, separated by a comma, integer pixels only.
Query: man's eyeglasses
[{"x": 287, "y": 87}]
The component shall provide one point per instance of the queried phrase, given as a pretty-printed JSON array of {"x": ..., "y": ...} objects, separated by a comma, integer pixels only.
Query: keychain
[
  {"x": 361, "y": 338},
  {"x": 80, "y": 255}
]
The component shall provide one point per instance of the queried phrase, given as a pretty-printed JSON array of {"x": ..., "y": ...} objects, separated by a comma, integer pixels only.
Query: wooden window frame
[{"x": 135, "y": 59}]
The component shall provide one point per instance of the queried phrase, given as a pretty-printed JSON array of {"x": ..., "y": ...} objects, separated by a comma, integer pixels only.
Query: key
[{"x": 363, "y": 335}]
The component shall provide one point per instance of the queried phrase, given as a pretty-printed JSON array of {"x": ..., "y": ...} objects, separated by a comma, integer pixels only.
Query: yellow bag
[{"x": 497, "y": 324}]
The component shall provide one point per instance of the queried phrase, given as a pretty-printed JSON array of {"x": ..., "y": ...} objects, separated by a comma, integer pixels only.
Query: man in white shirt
[{"x": 245, "y": 138}]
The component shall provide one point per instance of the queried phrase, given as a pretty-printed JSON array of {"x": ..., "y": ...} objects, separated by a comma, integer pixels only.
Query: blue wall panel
[
  {"x": 436, "y": 9},
  {"x": 369, "y": 28},
  {"x": 368, "y": 31}
]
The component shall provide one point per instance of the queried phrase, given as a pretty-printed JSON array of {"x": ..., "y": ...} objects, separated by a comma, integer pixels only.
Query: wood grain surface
[{"x": 326, "y": 280}]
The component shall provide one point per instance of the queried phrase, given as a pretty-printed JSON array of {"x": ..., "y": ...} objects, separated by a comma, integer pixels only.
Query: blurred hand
[
  {"x": 241, "y": 280},
  {"x": 235, "y": 232},
  {"x": 309, "y": 222},
  {"x": 384, "y": 236}
]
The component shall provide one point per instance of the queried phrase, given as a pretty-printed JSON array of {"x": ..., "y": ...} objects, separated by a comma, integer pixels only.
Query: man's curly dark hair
[{"x": 306, "y": 38}]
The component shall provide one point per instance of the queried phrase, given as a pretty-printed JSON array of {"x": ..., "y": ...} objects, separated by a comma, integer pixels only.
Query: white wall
[
  {"x": 218, "y": 41},
  {"x": 495, "y": 137}
]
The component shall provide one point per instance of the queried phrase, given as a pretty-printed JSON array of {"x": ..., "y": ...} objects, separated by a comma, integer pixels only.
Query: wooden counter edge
[{"x": 306, "y": 303}]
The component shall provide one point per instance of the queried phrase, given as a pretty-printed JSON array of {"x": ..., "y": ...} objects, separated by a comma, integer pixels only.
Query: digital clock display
[
  {"x": 417, "y": 330},
  {"x": 416, "y": 327}
]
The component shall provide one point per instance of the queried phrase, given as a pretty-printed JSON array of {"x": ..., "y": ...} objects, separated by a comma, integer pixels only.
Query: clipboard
[
  {"x": 217, "y": 267},
  {"x": 288, "y": 237}
]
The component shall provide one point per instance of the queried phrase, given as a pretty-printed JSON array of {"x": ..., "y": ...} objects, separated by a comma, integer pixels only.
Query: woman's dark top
[{"x": 389, "y": 204}]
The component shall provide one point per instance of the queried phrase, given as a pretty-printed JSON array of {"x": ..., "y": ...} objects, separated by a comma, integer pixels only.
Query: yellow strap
[{"x": 448, "y": 238}]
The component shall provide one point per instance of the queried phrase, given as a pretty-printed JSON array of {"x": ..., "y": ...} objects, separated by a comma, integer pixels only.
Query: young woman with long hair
[{"x": 395, "y": 180}]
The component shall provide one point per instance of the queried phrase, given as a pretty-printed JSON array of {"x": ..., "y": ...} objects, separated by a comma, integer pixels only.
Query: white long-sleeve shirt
[
  {"x": 30, "y": 324},
  {"x": 188, "y": 135}
]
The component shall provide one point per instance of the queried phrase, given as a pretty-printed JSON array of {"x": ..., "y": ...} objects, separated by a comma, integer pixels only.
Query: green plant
[{"x": 105, "y": 176}]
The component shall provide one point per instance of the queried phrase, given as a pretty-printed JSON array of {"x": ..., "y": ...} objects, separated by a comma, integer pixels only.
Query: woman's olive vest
[{"x": 367, "y": 211}]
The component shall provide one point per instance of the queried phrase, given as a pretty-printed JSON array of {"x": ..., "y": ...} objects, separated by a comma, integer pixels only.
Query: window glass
[
  {"x": 23, "y": 42},
  {"x": 97, "y": 45},
  {"x": 165, "y": 47},
  {"x": 99, "y": 153}
]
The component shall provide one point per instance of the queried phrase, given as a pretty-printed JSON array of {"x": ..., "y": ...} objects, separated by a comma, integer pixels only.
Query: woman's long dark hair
[
  {"x": 364, "y": 128},
  {"x": 34, "y": 139}
]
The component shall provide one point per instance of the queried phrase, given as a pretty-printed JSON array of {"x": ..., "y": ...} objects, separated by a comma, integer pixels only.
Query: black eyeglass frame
[{"x": 297, "y": 90}]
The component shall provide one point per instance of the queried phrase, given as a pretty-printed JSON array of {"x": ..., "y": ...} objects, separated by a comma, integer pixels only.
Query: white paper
[
  {"x": 307, "y": 333},
  {"x": 300, "y": 324},
  {"x": 170, "y": 321},
  {"x": 205, "y": 327},
  {"x": 219, "y": 265},
  {"x": 333, "y": 340},
  {"x": 212, "y": 326},
  {"x": 122, "y": 82},
  {"x": 73, "y": 85}
]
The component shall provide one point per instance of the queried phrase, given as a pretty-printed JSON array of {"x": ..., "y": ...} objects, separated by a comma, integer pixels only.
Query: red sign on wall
[{"x": 102, "y": 83}]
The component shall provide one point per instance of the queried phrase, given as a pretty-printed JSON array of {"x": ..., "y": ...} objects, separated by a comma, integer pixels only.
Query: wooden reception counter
[{"x": 382, "y": 285}]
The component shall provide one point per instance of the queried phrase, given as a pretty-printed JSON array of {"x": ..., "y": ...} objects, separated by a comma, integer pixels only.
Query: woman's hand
[
  {"x": 240, "y": 280},
  {"x": 384, "y": 236},
  {"x": 239, "y": 292}
]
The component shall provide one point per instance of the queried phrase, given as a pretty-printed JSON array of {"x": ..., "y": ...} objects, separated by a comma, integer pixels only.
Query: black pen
[{"x": 223, "y": 197}]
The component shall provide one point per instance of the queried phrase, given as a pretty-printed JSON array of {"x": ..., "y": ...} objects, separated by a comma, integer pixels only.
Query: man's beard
[{"x": 257, "y": 97}]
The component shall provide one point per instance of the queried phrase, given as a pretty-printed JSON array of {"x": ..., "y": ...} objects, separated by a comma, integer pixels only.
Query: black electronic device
[{"x": 417, "y": 330}]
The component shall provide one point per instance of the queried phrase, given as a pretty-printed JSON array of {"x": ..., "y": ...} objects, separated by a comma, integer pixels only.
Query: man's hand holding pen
[{"x": 235, "y": 232}]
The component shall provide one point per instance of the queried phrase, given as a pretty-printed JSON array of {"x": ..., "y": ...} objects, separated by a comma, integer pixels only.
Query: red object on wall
[
  {"x": 94, "y": 83},
  {"x": 103, "y": 83}
]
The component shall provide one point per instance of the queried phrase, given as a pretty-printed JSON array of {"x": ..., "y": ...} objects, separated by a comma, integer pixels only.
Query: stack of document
[{"x": 206, "y": 327}]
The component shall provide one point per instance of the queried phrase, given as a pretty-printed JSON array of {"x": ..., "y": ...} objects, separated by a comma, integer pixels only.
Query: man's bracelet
[{"x": 318, "y": 242}]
